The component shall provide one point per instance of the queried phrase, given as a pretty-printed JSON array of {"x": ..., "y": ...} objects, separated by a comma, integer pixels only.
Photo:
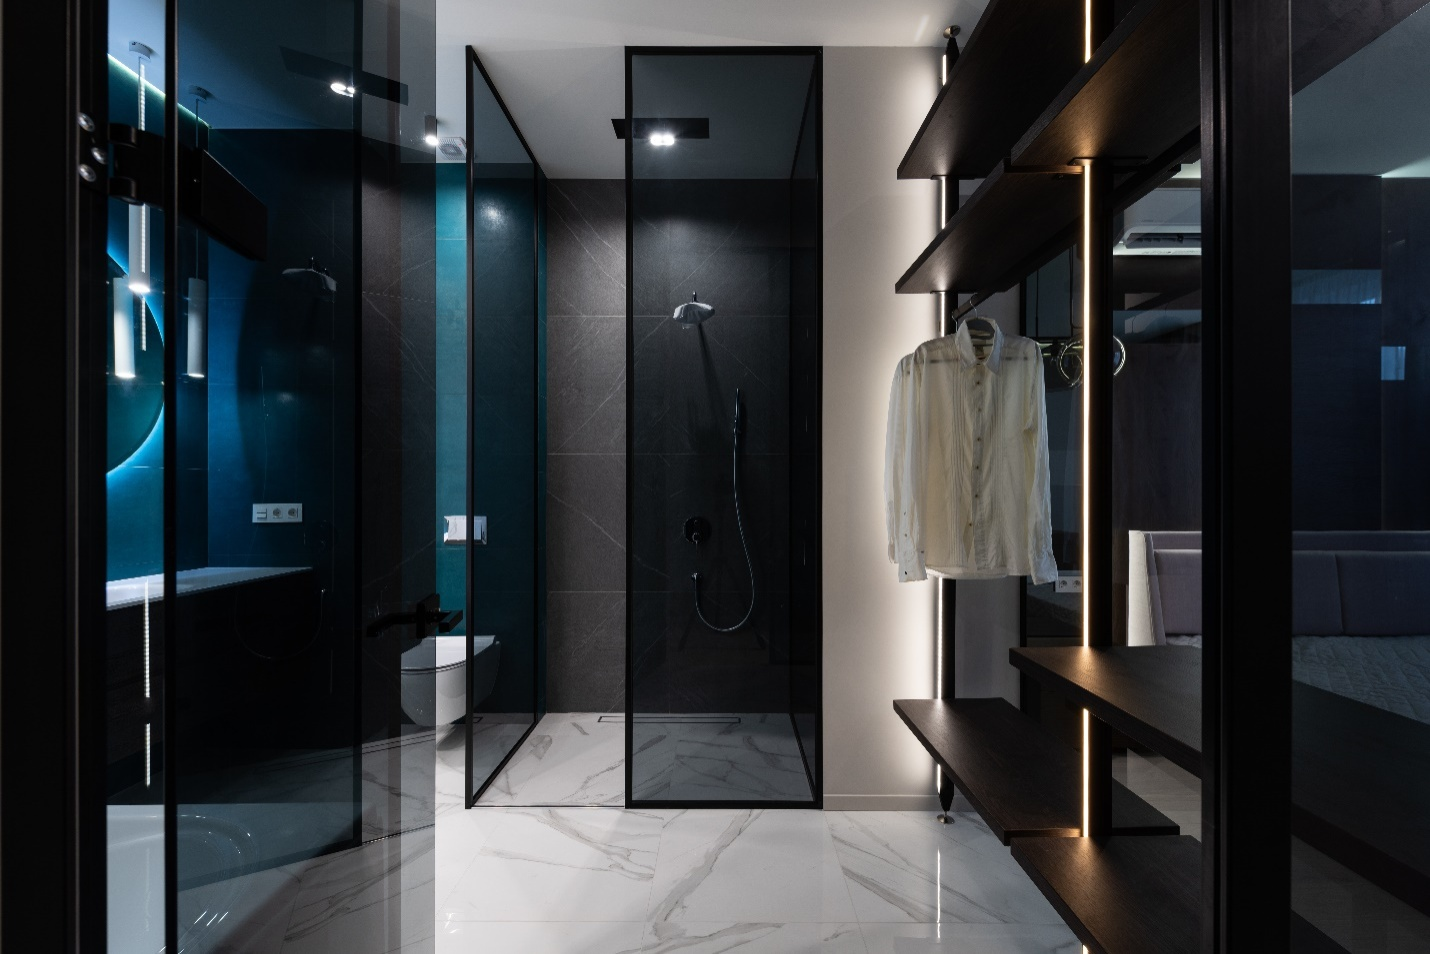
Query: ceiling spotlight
[
  {"x": 662, "y": 139},
  {"x": 430, "y": 131},
  {"x": 343, "y": 89}
]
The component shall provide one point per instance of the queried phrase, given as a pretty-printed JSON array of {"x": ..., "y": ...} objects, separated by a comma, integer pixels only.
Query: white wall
[{"x": 878, "y": 633}]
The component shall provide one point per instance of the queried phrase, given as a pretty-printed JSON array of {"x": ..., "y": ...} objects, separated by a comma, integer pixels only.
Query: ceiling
[{"x": 560, "y": 64}]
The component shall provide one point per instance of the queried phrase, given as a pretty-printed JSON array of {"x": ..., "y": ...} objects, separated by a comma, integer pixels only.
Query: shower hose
[{"x": 744, "y": 543}]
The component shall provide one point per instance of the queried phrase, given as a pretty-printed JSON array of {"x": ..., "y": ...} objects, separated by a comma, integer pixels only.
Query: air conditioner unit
[
  {"x": 1165, "y": 222},
  {"x": 1160, "y": 240}
]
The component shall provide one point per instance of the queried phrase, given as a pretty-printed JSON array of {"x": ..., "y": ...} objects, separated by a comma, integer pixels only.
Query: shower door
[
  {"x": 271, "y": 518},
  {"x": 723, "y": 625}
]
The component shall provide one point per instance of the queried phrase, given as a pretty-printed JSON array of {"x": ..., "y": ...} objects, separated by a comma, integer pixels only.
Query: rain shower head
[{"x": 693, "y": 312}]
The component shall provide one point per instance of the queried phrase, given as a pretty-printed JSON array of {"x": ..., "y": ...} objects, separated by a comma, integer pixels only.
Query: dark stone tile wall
[
  {"x": 586, "y": 443},
  {"x": 729, "y": 242}
]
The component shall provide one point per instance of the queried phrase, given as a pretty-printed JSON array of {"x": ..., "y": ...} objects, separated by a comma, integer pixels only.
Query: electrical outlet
[
  {"x": 278, "y": 513},
  {"x": 1069, "y": 584}
]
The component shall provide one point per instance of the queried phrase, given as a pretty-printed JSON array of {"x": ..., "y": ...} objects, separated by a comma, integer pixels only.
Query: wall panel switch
[{"x": 278, "y": 513}]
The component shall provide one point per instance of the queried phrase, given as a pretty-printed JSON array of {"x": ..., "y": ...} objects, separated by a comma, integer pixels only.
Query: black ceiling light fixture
[{"x": 664, "y": 132}]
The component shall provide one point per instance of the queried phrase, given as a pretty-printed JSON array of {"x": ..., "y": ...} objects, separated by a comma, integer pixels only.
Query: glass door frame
[
  {"x": 474, "y": 790},
  {"x": 53, "y": 341},
  {"x": 811, "y": 488}
]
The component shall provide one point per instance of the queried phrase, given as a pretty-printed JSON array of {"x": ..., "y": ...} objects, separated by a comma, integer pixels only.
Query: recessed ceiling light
[
  {"x": 662, "y": 139},
  {"x": 343, "y": 89}
]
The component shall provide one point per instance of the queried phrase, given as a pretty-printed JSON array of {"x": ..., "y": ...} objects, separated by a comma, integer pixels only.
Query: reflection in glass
[{"x": 1360, "y": 553}]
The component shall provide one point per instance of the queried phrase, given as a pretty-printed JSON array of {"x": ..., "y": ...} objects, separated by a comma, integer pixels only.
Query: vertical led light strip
[{"x": 1087, "y": 365}]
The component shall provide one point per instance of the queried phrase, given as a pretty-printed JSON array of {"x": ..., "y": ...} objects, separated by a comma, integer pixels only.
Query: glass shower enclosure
[{"x": 723, "y": 493}]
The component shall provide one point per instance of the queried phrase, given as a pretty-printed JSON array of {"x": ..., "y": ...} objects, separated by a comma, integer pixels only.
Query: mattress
[{"x": 1388, "y": 672}]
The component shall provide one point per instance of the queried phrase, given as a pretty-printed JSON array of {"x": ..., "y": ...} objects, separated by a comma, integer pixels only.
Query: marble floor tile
[
  {"x": 907, "y": 867},
  {"x": 681, "y": 937},
  {"x": 756, "y": 756},
  {"x": 571, "y": 758},
  {"x": 377, "y": 898},
  {"x": 540, "y": 937},
  {"x": 567, "y": 864},
  {"x": 749, "y": 867},
  {"x": 460, "y": 837},
  {"x": 969, "y": 939}
]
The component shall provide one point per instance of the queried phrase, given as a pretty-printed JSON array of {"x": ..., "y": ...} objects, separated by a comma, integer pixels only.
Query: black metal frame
[
  {"x": 52, "y": 666},
  {"x": 817, "y": 774},
  {"x": 1246, "y": 473},
  {"x": 473, "y": 792}
]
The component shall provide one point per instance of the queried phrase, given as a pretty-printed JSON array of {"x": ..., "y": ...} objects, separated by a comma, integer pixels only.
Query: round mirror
[{"x": 135, "y": 370}]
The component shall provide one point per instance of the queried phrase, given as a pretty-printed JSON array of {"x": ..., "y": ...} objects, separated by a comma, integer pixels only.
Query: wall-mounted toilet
[{"x": 433, "y": 672}]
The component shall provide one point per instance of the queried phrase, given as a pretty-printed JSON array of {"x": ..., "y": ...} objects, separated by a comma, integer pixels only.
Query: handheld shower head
[{"x": 739, "y": 416}]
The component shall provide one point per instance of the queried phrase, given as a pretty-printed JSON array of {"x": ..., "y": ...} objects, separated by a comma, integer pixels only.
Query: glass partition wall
[
  {"x": 502, "y": 191},
  {"x": 1360, "y": 443},
  {"x": 723, "y": 703},
  {"x": 272, "y": 598}
]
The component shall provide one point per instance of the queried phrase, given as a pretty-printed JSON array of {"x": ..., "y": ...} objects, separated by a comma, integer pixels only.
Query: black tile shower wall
[
  {"x": 729, "y": 242},
  {"x": 586, "y": 439}
]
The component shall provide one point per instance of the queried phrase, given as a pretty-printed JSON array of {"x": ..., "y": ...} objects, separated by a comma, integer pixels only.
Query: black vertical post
[
  {"x": 1097, "y": 437},
  {"x": 1246, "y": 474},
  {"x": 52, "y": 443},
  {"x": 1097, "y": 392}
]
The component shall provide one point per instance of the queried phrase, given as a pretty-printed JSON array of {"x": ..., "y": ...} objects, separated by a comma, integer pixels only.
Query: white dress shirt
[{"x": 966, "y": 462}]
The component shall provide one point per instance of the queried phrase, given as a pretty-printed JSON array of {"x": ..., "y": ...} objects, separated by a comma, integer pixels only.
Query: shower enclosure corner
[{"x": 723, "y": 453}]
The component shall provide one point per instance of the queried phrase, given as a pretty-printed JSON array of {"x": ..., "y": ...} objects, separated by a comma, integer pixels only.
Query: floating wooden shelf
[
  {"x": 1019, "y": 779},
  {"x": 1306, "y": 938},
  {"x": 1138, "y": 97},
  {"x": 1136, "y": 102},
  {"x": 1152, "y": 694},
  {"x": 986, "y": 243},
  {"x": 1124, "y": 894},
  {"x": 1358, "y": 773},
  {"x": 1360, "y": 781},
  {"x": 992, "y": 96}
]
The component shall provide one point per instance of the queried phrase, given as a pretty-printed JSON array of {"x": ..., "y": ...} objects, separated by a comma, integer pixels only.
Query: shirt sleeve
[
  {"x": 893, "y": 462},
  {"x": 907, "y": 475},
  {"x": 1039, "y": 503}
]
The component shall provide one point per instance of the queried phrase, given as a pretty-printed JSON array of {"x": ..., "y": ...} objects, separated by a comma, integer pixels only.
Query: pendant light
[
  {"x": 139, "y": 277},
  {"x": 124, "y": 329},
  {"x": 197, "y": 364}
]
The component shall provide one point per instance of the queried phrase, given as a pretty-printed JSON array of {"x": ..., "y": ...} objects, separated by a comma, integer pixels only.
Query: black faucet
[{"x": 426, "y": 615}]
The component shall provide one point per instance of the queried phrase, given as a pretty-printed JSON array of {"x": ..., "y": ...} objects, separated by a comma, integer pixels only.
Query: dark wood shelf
[
  {"x": 1152, "y": 694},
  {"x": 1019, "y": 55},
  {"x": 1306, "y": 938},
  {"x": 1020, "y": 780},
  {"x": 1123, "y": 894},
  {"x": 1360, "y": 781},
  {"x": 1137, "y": 99},
  {"x": 985, "y": 246},
  {"x": 1358, "y": 774}
]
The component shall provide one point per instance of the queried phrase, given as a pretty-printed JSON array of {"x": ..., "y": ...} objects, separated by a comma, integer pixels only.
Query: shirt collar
[{"x": 963, "y": 341}]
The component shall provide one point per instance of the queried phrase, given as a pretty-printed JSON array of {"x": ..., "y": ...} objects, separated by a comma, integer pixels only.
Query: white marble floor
[
  {"x": 578, "y": 759},
  {"x": 571, "y": 759},
  {"x": 611, "y": 881}
]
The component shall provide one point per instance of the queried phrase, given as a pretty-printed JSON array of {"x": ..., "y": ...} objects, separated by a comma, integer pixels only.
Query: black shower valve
[{"x": 697, "y": 530}]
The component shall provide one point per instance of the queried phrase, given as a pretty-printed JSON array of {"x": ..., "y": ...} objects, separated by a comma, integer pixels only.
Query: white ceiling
[{"x": 560, "y": 64}]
